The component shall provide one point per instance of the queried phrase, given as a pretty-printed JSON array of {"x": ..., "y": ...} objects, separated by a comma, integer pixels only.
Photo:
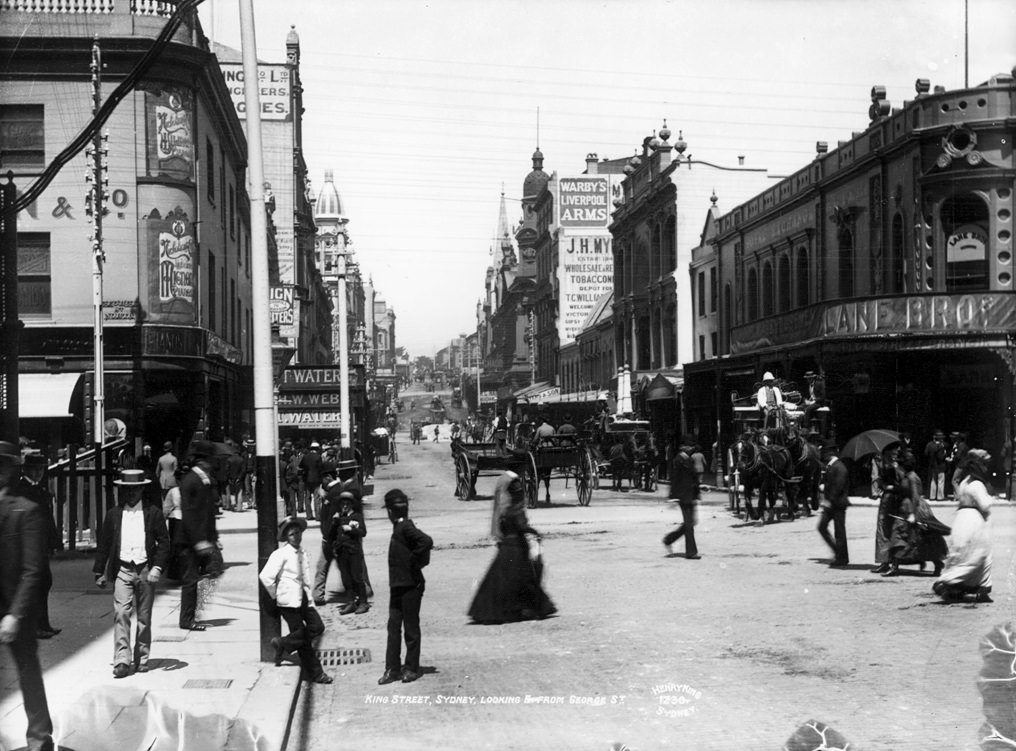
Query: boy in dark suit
[{"x": 408, "y": 553}]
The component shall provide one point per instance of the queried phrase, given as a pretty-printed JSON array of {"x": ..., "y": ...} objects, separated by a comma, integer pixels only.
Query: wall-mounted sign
[
  {"x": 583, "y": 201},
  {"x": 282, "y": 308},
  {"x": 170, "y": 121},
  {"x": 119, "y": 310},
  {"x": 315, "y": 420},
  {"x": 585, "y": 273},
  {"x": 171, "y": 260},
  {"x": 273, "y": 87}
]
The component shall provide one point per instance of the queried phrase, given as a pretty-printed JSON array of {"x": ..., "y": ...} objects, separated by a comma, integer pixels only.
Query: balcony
[{"x": 85, "y": 18}]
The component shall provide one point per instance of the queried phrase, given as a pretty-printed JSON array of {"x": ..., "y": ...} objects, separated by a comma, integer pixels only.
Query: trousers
[
  {"x": 404, "y": 615},
  {"x": 133, "y": 595},
  {"x": 305, "y": 625}
]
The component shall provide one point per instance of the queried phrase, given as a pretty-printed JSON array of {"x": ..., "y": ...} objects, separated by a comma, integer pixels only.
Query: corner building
[{"x": 886, "y": 264}]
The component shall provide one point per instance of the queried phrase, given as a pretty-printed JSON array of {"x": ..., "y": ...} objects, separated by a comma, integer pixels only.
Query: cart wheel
[
  {"x": 530, "y": 481},
  {"x": 463, "y": 486},
  {"x": 584, "y": 474}
]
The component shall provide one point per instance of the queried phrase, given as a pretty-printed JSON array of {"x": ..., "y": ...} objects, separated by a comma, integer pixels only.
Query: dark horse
[
  {"x": 764, "y": 466},
  {"x": 807, "y": 464}
]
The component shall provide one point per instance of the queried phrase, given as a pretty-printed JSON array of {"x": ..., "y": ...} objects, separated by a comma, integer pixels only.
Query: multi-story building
[
  {"x": 176, "y": 279},
  {"x": 885, "y": 265},
  {"x": 656, "y": 224},
  {"x": 302, "y": 304}
]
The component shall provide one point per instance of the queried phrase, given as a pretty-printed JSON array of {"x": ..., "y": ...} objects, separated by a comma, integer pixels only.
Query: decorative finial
[{"x": 664, "y": 131}]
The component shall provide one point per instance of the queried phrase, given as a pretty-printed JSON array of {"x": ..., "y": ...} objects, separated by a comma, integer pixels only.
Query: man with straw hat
[{"x": 132, "y": 551}]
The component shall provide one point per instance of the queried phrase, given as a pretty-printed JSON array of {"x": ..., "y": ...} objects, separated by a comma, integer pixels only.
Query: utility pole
[
  {"x": 264, "y": 393},
  {"x": 97, "y": 174},
  {"x": 345, "y": 439}
]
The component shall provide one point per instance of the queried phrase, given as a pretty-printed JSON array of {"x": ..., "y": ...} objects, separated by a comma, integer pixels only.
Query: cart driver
[{"x": 770, "y": 400}]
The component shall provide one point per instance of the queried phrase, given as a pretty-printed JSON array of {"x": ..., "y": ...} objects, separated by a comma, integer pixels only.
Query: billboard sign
[
  {"x": 584, "y": 202},
  {"x": 585, "y": 274},
  {"x": 273, "y": 85}
]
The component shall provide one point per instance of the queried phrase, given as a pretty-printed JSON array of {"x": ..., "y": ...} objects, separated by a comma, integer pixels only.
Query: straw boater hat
[
  {"x": 130, "y": 477},
  {"x": 290, "y": 521}
]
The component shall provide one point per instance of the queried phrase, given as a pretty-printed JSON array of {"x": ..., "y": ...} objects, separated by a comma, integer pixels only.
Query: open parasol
[{"x": 869, "y": 442}]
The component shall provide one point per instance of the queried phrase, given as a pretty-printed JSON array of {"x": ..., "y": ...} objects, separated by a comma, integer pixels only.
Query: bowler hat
[
  {"x": 132, "y": 477},
  {"x": 167, "y": 446},
  {"x": 396, "y": 497},
  {"x": 291, "y": 521}
]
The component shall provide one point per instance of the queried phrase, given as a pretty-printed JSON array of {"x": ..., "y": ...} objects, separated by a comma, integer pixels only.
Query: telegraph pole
[
  {"x": 97, "y": 175},
  {"x": 264, "y": 393},
  {"x": 345, "y": 438}
]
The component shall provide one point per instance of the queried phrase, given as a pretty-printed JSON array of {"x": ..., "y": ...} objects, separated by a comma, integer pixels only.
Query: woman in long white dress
[{"x": 968, "y": 566}]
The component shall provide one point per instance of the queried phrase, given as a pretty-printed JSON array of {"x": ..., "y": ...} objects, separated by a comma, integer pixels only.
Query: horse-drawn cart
[{"x": 472, "y": 459}]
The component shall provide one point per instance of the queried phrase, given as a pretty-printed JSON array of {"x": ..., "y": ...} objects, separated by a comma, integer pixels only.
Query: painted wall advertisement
[
  {"x": 273, "y": 85},
  {"x": 585, "y": 273},
  {"x": 171, "y": 257},
  {"x": 282, "y": 308},
  {"x": 583, "y": 201},
  {"x": 170, "y": 122}
]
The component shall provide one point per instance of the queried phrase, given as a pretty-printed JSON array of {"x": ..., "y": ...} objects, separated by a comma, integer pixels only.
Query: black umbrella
[{"x": 869, "y": 442}]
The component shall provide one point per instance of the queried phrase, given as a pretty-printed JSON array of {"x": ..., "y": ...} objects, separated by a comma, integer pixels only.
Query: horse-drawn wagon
[{"x": 624, "y": 449}]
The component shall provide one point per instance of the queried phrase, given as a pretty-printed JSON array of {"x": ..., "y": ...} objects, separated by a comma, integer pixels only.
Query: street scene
[{"x": 390, "y": 374}]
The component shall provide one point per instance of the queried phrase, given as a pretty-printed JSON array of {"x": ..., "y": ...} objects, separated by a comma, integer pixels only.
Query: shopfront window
[{"x": 34, "y": 282}]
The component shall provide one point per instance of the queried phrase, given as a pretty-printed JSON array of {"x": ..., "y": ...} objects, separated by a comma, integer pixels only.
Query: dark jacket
[
  {"x": 22, "y": 555},
  {"x": 310, "y": 467},
  {"x": 351, "y": 540},
  {"x": 107, "y": 548},
  {"x": 836, "y": 484},
  {"x": 39, "y": 495},
  {"x": 683, "y": 478},
  {"x": 408, "y": 553},
  {"x": 197, "y": 507}
]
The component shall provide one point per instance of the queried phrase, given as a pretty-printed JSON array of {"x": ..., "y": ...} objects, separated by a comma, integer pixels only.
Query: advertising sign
[
  {"x": 273, "y": 83},
  {"x": 170, "y": 120},
  {"x": 171, "y": 256},
  {"x": 585, "y": 273},
  {"x": 282, "y": 308},
  {"x": 310, "y": 420},
  {"x": 584, "y": 201}
]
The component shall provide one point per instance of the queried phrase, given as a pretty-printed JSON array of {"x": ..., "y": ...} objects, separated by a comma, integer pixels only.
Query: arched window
[
  {"x": 845, "y": 240},
  {"x": 669, "y": 338},
  {"x": 752, "y": 295},
  {"x": 619, "y": 253},
  {"x": 894, "y": 260},
  {"x": 767, "y": 289},
  {"x": 803, "y": 298},
  {"x": 965, "y": 226},
  {"x": 783, "y": 291},
  {"x": 654, "y": 252},
  {"x": 728, "y": 320}
]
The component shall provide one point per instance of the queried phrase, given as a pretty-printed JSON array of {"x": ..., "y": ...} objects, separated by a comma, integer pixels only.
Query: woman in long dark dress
[
  {"x": 917, "y": 535},
  {"x": 511, "y": 590}
]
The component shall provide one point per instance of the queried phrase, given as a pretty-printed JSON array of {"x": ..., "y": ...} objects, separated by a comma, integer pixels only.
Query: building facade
[
  {"x": 176, "y": 279},
  {"x": 886, "y": 264}
]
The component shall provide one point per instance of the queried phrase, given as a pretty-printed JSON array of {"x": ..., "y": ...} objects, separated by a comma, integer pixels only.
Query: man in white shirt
[
  {"x": 132, "y": 550},
  {"x": 770, "y": 400}
]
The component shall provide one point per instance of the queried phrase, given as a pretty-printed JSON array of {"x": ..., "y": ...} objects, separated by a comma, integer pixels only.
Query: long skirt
[
  {"x": 968, "y": 566},
  {"x": 511, "y": 591}
]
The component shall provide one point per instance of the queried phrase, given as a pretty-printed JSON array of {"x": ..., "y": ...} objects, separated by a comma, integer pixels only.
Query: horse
[
  {"x": 764, "y": 466},
  {"x": 807, "y": 464}
]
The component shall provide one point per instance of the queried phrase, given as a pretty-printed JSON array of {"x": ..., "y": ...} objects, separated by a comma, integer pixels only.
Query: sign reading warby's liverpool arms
[{"x": 983, "y": 313}]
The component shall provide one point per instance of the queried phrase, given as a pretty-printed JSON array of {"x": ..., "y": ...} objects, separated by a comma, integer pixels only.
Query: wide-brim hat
[
  {"x": 347, "y": 464},
  {"x": 291, "y": 521},
  {"x": 130, "y": 477},
  {"x": 767, "y": 376}
]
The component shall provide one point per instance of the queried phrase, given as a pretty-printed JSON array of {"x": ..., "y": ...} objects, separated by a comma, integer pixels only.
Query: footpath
[{"x": 205, "y": 690}]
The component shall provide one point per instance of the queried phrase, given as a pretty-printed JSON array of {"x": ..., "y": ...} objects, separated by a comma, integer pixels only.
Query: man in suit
[
  {"x": 33, "y": 489},
  {"x": 132, "y": 551},
  {"x": 834, "y": 506},
  {"x": 196, "y": 535},
  {"x": 684, "y": 486},
  {"x": 22, "y": 554}
]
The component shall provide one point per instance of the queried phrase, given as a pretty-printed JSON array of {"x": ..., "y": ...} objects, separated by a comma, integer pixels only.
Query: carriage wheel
[
  {"x": 584, "y": 474},
  {"x": 530, "y": 480},
  {"x": 463, "y": 478}
]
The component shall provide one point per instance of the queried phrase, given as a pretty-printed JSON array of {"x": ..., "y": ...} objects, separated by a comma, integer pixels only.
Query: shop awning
[
  {"x": 46, "y": 394},
  {"x": 536, "y": 392},
  {"x": 663, "y": 387}
]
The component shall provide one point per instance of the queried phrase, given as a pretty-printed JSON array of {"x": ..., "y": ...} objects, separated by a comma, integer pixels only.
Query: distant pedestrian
[
  {"x": 684, "y": 487},
  {"x": 165, "y": 469},
  {"x": 833, "y": 507},
  {"x": 132, "y": 551},
  {"x": 888, "y": 494},
  {"x": 500, "y": 434},
  {"x": 437, "y": 433},
  {"x": 173, "y": 515},
  {"x": 698, "y": 461},
  {"x": 287, "y": 579},
  {"x": 917, "y": 536},
  {"x": 310, "y": 473},
  {"x": 236, "y": 468},
  {"x": 408, "y": 554},
  {"x": 33, "y": 489},
  {"x": 935, "y": 457},
  {"x": 22, "y": 550}
]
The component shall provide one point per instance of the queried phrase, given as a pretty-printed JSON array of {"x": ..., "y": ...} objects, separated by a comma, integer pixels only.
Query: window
[
  {"x": 894, "y": 274},
  {"x": 714, "y": 342},
  {"x": 211, "y": 291},
  {"x": 752, "y": 294},
  {"x": 222, "y": 183},
  {"x": 34, "y": 282},
  {"x": 965, "y": 226},
  {"x": 702, "y": 347},
  {"x": 234, "y": 308},
  {"x": 701, "y": 293},
  {"x": 232, "y": 212},
  {"x": 802, "y": 278},
  {"x": 783, "y": 293},
  {"x": 210, "y": 169},
  {"x": 845, "y": 238},
  {"x": 22, "y": 138},
  {"x": 767, "y": 289},
  {"x": 713, "y": 290}
]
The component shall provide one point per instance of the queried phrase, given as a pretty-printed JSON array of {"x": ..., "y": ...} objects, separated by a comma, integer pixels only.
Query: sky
[{"x": 426, "y": 111}]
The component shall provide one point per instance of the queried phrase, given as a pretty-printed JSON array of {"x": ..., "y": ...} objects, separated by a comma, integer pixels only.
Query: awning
[
  {"x": 663, "y": 387},
  {"x": 536, "y": 392},
  {"x": 46, "y": 394}
]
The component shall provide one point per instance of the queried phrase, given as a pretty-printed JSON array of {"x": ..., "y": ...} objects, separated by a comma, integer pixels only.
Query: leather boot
[{"x": 893, "y": 570}]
